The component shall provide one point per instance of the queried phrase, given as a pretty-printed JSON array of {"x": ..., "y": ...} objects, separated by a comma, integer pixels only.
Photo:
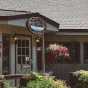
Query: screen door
[{"x": 23, "y": 55}]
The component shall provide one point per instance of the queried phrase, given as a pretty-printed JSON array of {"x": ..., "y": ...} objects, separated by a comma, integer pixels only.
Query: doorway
[{"x": 23, "y": 55}]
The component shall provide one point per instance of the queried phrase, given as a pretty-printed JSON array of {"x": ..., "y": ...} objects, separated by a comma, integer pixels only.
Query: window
[
  {"x": 86, "y": 53},
  {"x": 74, "y": 53},
  {"x": 74, "y": 50},
  {"x": 23, "y": 51}
]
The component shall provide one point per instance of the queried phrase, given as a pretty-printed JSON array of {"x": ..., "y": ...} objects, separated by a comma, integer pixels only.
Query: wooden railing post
[
  {"x": 1, "y": 81},
  {"x": 1, "y": 84},
  {"x": 23, "y": 79}
]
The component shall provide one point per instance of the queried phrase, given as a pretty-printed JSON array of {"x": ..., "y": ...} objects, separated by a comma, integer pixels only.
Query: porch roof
[{"x": 17, "y": 14}]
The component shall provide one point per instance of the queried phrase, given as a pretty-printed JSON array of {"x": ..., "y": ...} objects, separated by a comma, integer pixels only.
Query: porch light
[
  {"x": 37, "y": 40},
  {"x": 15, "y": 38}
]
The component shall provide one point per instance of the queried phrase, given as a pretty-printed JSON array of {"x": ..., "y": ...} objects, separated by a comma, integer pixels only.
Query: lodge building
[
  {"x": 20, "y": 51},
  {"x": 18, "y": 45}
]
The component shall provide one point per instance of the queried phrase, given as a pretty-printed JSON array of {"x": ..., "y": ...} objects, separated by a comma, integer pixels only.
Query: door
[{"x": 23, "y": 55}]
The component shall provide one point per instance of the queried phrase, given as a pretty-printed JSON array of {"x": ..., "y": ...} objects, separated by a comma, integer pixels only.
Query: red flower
[{"x": 57, "y": 51}]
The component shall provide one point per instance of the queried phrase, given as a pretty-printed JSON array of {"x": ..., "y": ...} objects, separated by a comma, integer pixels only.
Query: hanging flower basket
[{"x": 58, "y": 53}]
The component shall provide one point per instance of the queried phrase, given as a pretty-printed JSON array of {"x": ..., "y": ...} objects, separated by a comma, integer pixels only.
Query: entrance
[{"x": 23, "y": 55}]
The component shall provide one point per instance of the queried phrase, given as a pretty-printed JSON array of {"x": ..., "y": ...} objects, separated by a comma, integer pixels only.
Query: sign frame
[{"x": 37, "y": 22}]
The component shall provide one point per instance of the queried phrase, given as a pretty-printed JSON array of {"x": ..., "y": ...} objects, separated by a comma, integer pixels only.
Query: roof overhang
[{"x": 25, "y": 14}]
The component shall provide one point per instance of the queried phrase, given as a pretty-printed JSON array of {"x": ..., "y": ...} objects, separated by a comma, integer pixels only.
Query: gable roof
[
  {"x": 71, "y": 14},
  {"x": 46, "y": 19},
  {"x": 15, "y": 14}
]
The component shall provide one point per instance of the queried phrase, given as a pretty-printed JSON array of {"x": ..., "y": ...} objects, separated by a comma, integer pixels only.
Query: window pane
[
  {"x": 23, "y": 51},
  {"x": 19, "y": 43},
  {"x": 27, "y": 43},
  {"x": 28, "y": 62},
  {"x": 27, "y": 51},
  {"x": 74, "y": 51},
  {"x": 23, "y": 60},
  {"x": 23, "y": 43},
  {"x": 19, "y": 51},
  {"x": 19, "y": 59}
]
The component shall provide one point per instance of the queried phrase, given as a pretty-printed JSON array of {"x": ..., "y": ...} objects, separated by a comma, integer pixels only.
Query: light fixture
[
  {"x": 15, "y": 38},
  {"x": 37, "y": 40}
]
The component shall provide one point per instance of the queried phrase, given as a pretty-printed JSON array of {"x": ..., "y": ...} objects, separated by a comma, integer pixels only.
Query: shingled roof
[{"x": 71, "y": 14}]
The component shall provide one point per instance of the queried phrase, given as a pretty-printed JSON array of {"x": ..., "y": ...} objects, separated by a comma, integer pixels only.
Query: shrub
[
  {"x": 60, "y": 84},
  {"x": 80, "y": 79},
  {"x": 45, "y": 82},
  {"x": 7, "y": 84}
]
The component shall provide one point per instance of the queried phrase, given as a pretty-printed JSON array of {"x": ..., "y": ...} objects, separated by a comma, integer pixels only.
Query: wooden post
[
  {"x": 34, "y": 55},
  {"x": 43, "y": 52},
  {"x": 1, "y": 84},
  {"x": 81, "y": 53},
  {"x": 1, "y": 81}
]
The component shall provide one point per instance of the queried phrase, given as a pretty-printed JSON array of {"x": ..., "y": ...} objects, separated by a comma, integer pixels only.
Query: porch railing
[{"x": 20, "y": 80}]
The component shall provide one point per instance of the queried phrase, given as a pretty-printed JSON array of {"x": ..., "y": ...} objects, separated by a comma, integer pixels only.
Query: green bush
[
  {"x": 45, "y": 82},
  {"x": 81, "y": 79},
  {"x": 7, "y": 84}
]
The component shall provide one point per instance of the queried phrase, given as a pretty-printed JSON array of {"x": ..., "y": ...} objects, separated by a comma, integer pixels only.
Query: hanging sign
[{"x": 35, "y": 24}]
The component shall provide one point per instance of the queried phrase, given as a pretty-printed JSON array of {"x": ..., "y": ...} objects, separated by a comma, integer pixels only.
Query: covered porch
[
  {"x": 17, "y": 50},
  {"x": 77, "y": 43}
]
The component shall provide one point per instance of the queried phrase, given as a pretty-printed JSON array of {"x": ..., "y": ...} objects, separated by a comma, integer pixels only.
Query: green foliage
[
  {"x": 45, "y": 82},
  {"x": 82, "y": 79},
  {"x": 7, "y": 84},
  {"x": 83, "y": 76}
]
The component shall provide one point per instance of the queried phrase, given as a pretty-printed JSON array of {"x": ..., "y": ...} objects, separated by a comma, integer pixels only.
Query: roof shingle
[{"x": 69, "y": 13}]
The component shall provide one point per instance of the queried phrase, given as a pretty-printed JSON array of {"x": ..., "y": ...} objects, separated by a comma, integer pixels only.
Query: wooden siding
[
  {"x": 66, "y": 38},
  {"x": 5, "y": 28}
]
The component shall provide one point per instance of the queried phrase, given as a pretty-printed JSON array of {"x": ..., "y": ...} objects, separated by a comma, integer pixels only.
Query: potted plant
[{"x": 58, "y": 53}]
